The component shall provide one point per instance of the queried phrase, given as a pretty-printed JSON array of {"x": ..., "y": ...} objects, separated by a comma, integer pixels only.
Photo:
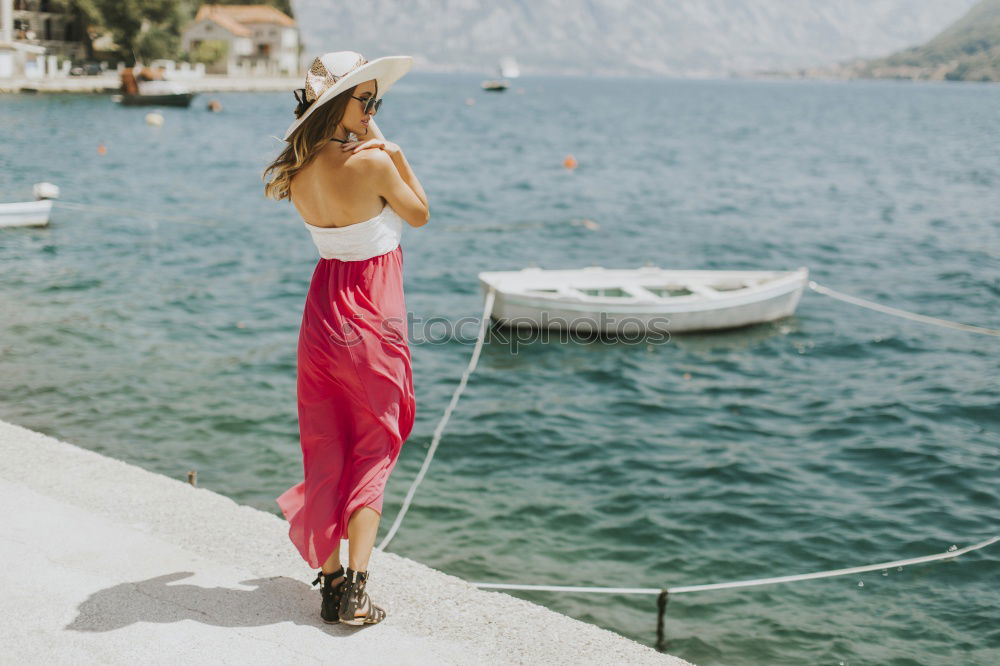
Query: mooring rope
[
  {"x": 487, "y": 310},
  {"x": 901, "y": 313},
  {"x": 436, "y": 439},
  {"x": 663, "y": 593},
  {"x": 741, "y": 583}
]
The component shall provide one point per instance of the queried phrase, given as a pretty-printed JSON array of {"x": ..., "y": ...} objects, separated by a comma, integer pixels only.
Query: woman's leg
[
  {"x": 361, "y": 531},
  {"x": 333, "y": 562}
]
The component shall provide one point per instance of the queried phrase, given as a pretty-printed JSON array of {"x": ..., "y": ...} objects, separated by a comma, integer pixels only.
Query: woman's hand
[{"x": 384, "y": 144}]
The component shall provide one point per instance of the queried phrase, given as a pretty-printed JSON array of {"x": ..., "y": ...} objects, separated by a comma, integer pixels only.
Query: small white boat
[
  {"x": 25, "y": 213},
  {"x": 647, "y": 299},
  {"x": 30, "y": 213},
  {"x": 506, "y": 69}
]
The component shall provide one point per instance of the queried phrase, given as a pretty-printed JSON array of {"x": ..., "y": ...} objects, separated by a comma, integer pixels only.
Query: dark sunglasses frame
[{"x": 371, "y": 104}]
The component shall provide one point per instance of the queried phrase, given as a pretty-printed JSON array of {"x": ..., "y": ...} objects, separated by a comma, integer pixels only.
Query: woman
[{"x": 353, "y": 380}]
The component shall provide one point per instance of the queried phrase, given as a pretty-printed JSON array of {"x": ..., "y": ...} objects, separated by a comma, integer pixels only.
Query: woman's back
[{"x": 335, "y": 190}]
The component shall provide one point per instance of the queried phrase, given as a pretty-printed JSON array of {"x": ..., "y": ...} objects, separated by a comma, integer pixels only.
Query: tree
[
  {"x": 85, "y": 14},
  {"x": 145, "y": 29},
  {"x": 210, "y": 51}
]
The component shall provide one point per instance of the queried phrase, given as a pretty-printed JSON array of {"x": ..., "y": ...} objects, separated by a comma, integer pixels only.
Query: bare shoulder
[
  {"x": 374, "y": 158},
  {"x": 371, "y": 164},
  {"x": 363, "y": 161}
]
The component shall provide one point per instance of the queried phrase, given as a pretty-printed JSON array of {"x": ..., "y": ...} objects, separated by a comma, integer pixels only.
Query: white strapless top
[{"x": 362, "y": 240}]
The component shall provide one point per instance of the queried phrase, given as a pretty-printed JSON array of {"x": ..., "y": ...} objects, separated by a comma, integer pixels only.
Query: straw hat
[{"x": 337, "y": 71}]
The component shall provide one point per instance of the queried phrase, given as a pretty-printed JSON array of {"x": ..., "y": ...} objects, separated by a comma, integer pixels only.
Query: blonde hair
[{"x": 304, "y": 144}]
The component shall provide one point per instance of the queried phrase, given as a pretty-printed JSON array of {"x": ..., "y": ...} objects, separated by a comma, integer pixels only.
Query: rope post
[{"x": 661, "y": 610}]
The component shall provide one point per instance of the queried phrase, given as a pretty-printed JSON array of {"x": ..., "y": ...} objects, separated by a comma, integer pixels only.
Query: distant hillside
[
  {"x": 968, "y": 50},
  {"x": 682, "y": 38}
]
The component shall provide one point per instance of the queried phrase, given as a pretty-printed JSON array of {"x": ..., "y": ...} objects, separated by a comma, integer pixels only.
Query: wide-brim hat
[{"x": 336, "y": 71}]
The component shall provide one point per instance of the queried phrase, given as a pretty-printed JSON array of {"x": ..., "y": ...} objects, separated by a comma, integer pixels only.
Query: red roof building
[{"x": 247, "y": 39}]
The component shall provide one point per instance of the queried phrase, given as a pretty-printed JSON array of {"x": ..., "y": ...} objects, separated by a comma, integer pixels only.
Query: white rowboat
[
  {"x": 25, "y": 213},
  {"x": 600, "y": 300}
]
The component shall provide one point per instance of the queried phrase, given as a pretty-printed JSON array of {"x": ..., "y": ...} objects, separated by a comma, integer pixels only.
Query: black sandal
[
  {"x": 356, "y": 606},
  {"x": 330, "y": 610}
]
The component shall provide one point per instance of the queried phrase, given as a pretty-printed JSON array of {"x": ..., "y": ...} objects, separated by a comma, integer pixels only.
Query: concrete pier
[{"x": 105, "y": 562}]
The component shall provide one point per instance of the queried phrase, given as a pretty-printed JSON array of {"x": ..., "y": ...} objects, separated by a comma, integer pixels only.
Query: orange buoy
[
  {"x": 214, "y": 105},
  {"x": 569, "y": 162},
  {"x": 101, "y": 149}
]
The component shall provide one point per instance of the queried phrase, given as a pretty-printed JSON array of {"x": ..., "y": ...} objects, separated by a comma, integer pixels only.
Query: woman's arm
[
  {"x": 388, "y": 183},
  {"x": 401, "y": 164}
]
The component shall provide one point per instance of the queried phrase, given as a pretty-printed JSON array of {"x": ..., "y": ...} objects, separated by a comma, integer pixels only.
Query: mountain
[
  {"x": 968, "y": 50},
  {"x": 682, "y": 38}
]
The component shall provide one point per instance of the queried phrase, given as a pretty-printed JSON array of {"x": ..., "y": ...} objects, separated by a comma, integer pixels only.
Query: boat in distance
[{"x": 160, "y": 99}]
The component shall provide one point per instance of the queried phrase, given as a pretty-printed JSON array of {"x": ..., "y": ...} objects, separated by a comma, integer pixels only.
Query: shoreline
[
  {"x": 109, "y": 83},
  {"x": 108, "y": 562}
]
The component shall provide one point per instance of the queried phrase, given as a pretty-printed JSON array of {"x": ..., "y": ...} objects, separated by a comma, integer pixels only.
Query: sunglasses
[{"x": 371, "y": 104}]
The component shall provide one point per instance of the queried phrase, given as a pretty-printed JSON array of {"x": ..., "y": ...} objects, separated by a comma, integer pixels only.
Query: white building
[
  {"x": 36, "y": 35},
  {"x": 260, "y": 39}
]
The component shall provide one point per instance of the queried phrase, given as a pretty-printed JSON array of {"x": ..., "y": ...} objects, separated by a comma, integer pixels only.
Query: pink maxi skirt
[{"x": 356, "y": 405}]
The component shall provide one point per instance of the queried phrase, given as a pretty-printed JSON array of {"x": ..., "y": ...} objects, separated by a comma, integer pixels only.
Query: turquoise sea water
[{"x": 837, "y": 437}]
